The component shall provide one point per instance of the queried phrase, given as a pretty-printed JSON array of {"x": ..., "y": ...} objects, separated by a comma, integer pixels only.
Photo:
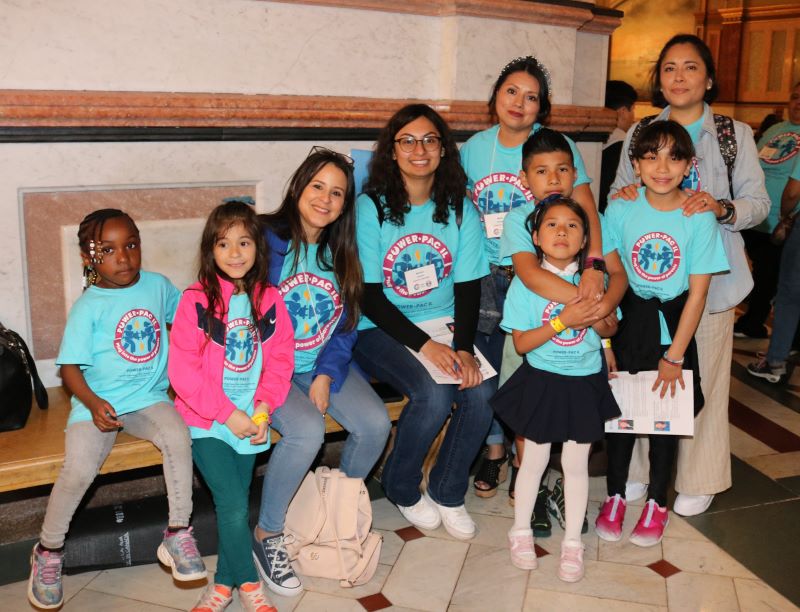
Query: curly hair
[
  {"x": 338, "y": 239},
  {"x": 705, "y": 54},
  {"x": 221, "y": 219},
  {"x": 536, "y": 69},
  {"x": 385, "y": 180}
]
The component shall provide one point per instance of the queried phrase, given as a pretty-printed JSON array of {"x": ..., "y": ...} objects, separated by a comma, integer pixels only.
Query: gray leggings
[{"x": 87, "y": 448}]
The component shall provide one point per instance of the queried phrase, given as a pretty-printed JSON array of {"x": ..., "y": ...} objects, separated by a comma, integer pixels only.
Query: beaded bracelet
[
  {"x": 557, "y": 325},
  {"x": 675, "y": 362},
  {"x": 260, "y": 417}
]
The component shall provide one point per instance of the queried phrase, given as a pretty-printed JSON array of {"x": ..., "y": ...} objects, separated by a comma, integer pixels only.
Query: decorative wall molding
[
  {"x": 28, "y": 115},
  {"x": 582, "y": 16}
]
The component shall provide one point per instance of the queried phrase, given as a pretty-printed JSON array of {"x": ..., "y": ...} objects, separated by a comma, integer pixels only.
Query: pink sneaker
[
  {"x": 523, "y": 553},
  {"x": 650, "y": 528},
  {"x": 609, "y": 522},
  {"x": 570, "y": 567}
]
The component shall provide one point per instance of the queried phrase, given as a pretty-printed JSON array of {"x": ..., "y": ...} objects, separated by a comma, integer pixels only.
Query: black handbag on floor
[{"x": 17, "y": 370}]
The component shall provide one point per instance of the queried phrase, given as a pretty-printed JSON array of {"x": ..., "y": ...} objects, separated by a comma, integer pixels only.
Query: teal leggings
[{"x": 229, "y": 474}]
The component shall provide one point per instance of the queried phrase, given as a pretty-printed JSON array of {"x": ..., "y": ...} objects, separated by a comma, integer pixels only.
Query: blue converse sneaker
[
  {"x": 179, "y": 552},
  {"x": 272, "y": 563},
  {"x": 44, "y": 586}
]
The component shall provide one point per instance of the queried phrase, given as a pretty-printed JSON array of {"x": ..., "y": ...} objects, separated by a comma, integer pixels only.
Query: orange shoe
[
  {"x": 253, "y": 598},
  {"x": 215, "y": 598}
]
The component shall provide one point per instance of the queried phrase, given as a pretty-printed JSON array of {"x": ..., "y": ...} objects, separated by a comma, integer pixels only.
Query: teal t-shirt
[
  {"x": 778, "y": 152},
  {"x": 692, "y": 181},
  {"x": 312, "y": 298},
  {"x": 570, "y": 352},
  {"x": 388, "y": 252},
  {"x": 516, "y": 237},
  {"x": 241, "y": 373},
  {"x": 493, "y": 178},
  {"x": 118, "y": 338}
]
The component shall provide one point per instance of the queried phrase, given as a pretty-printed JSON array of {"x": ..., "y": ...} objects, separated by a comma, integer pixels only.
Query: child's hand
[
  {"x": 470, "y": 371},
  {"x": 320, "y": 393},
  {"x": 241, "y": 425},
  {"x": 628, "y": 192},
  {"x": 611, "y": 362},
  {"x": 592, "y": 285},
  {"x": 667, "y": 375},
  {"x": 443, "y": 357},
  {"x": 263, "y": 427},
  {"x": 104, "y": 416},
  {"x": 579, "y": 313}
]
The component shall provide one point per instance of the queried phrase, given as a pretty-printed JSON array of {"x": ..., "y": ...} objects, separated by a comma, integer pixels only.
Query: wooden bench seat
[{"x": 33, "y": 455}]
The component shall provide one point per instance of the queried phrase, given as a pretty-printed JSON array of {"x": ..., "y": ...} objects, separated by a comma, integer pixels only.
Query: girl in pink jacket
[{"x": 231, "y": 360}]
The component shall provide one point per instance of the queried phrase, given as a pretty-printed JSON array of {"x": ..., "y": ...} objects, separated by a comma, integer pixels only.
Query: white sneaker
[
  {"x": 457, "y": 521},
  {"x": 423, "y": 514},
  {"x": 634, "y": 490},
  {"x": 692, "y": 505}
]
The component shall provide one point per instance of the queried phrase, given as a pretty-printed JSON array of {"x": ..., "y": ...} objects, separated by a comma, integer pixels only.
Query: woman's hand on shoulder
[
  {"x": 628, "y": 192},
  {"x": 320, "y": 392},
  {"x": 700, "y": 202},
  {"x": 241, "y": 425},
  {"x": 470, "y": 371},
  {"x": 443, "y": 357}
]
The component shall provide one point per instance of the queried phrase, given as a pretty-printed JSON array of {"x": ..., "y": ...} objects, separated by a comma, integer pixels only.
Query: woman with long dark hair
[
  {"x": 725, "y": 180},
  {"x": 420, "y": 246},
  {"x": 314, "y": 263}
]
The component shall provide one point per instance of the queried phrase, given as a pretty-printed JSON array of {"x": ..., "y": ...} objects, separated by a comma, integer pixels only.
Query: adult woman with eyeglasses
[
  {"x": 314, "y": 263},
  {"x": 420, "y": 247}
]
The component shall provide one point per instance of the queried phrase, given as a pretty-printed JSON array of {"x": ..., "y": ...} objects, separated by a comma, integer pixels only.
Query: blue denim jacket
[{"x": 750, "y": 199}]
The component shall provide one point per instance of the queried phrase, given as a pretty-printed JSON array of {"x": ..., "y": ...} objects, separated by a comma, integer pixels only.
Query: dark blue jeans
[{"x": 429, "y": 405}]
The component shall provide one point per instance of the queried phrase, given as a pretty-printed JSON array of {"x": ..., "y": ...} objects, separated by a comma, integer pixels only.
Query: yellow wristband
[
  {"x": 606, "y": 342},
  {"x": 557, "y": 325},
  {"x": 260, "y": 417}
]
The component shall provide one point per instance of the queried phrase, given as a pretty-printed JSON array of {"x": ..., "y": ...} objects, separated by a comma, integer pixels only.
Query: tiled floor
[{"x": 740, "y": 555}]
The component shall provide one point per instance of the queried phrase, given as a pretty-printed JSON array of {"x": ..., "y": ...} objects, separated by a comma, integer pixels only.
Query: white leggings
[{"x": 574, "y": 465}]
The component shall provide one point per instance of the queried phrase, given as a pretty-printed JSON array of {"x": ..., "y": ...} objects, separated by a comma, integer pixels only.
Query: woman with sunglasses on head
[
  {"x": 684, "y": 83},
  {"x": 421, "y": 250},
  {"x": 314, "y": 263}
]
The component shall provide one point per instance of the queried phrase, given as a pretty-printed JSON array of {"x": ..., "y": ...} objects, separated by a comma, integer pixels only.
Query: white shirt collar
[{"x": 570, "y": 270}]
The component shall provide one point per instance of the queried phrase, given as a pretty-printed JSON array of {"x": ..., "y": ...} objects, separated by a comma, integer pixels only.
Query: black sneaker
[
  {"x": 770, "y": 373},
  {"x": 555, "y": 505},
  {"x": 540, "y": 522},
  {"x": 742, "y": 330},
  {"x": 272, "y": 563}
]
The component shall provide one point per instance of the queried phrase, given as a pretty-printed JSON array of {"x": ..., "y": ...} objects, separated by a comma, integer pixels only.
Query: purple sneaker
[{"x": 44, "y": 586}]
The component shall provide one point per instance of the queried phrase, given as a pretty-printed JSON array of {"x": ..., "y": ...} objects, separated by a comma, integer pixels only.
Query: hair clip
[{"x": 523, "y": 59}]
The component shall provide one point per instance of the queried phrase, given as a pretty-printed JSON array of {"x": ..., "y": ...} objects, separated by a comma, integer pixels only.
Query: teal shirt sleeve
[
  {"x": 368, "y": 236},
  {"x": 795, "y": 173},
  {"x": 518, "y": 309},
  {"x": 610, "y": 241},
  {"x": 515, "y": 238},
  {"x": 173, "y": 297},
  {"x": 77, "y": 345},
  {"x": 464, "y": 153},
  {"x": 581, "y": 176},
  {"x": 471, "y": 262},
  {"x": 707, "y": 254}
]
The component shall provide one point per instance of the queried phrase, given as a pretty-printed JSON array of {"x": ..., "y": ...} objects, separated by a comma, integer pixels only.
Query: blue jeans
[
  {"x": 787, "y": 300},
  {"x": 356, "y": 407},
  {"x": 429, "y": 405},
  {"x": 491, "y": 345}
]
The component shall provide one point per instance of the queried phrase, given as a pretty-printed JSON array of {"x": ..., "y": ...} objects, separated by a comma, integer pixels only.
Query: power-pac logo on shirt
[
  {"x": 499, "y": 192},
  {"x": 414, "y": 251},
  {"x": 240, "y": 345},
  {"x": 656, "y": 256},
  {"x": 568, "y": 337},
  {"x": 314, "y": 306},
  {"x": 693, "y": 180},
  {"x": 780, "y": 148},
  {"x": 137, "y": 336}
]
